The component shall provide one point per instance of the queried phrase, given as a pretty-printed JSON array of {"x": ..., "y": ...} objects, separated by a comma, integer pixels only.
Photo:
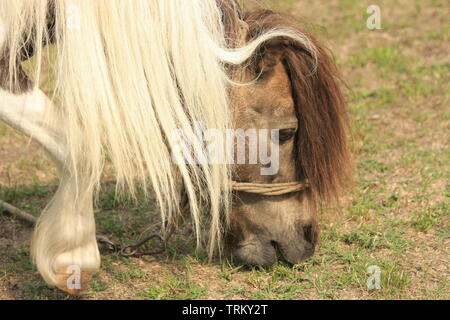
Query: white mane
[{"x": 129, "y": 74}]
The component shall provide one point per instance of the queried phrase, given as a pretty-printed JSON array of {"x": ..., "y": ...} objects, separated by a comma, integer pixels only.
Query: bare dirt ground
[{"x": 396, "y": 217}]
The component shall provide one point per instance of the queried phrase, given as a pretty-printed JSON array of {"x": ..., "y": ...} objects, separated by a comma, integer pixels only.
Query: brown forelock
[{"x": 322, "y": 149}]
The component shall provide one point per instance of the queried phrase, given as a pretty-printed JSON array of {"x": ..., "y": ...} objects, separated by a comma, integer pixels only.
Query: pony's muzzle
[
  {"x": 256, "y": 253},
  {"x": 265, "y": 250}
]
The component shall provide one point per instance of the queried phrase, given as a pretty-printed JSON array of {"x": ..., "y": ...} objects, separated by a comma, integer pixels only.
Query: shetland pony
[
  {"x": 128, "y": 74},
  {"x": 298, "y": 93}
]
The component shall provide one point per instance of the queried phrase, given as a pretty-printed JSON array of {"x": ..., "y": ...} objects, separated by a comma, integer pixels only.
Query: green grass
[
  {"x": 30, "y": 198},
  {"x": 396, "y": 217},
  {"x": 426, "y": 220},
  {"x": 174, "y": 288}
]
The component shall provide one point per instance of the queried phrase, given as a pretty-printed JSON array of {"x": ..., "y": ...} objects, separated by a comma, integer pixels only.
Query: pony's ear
[
  {"x": 322, "y": 150},
  {"x": 264, "y": 62}
]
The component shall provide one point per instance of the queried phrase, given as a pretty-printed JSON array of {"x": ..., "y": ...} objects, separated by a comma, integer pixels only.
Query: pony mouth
[
  {"x": 255, "y": 254},
  {"x": 279, "y": 252},
  {"x": 293, "y": 255},
  {"x": 268, "y": 253}
]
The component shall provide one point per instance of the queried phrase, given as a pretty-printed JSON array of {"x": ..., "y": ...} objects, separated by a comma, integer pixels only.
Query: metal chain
[{"x": 134, "y": 250}]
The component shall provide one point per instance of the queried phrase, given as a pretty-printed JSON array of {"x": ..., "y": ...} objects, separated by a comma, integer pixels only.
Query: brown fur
[
  {"x": 262, "y": 224},
  {"x": 293, "y": 91},
  {"x": 322, "y": 151},
  {"x": 232, "y": 21}
]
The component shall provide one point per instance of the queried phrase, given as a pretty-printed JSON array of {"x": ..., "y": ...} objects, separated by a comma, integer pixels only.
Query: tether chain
[
  {"x": 135, "y": 250},
  {"x": 266, "y": 189},
  {"x": 270, "y": 189}
]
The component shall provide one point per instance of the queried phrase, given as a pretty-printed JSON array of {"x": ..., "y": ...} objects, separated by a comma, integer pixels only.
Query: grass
[
  {"x": 174, "y": 289},
  {"x": 430, "y": 218},
  {"x": 395, "y": 218}
]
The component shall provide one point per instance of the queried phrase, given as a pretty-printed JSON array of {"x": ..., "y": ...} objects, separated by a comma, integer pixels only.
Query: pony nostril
[
  {"x": 308, "y": 233},
  {"x": 277, "y": 247}
]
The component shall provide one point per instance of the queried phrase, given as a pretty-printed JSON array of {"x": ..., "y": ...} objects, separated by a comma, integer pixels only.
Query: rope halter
[{"x": 270, "y": 189}]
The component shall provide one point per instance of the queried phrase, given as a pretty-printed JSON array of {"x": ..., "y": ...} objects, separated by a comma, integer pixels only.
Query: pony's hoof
[{"x": 73, "y": 281}]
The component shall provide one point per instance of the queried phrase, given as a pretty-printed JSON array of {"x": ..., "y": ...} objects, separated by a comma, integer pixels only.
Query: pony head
[{"x": 297, "y": 93}]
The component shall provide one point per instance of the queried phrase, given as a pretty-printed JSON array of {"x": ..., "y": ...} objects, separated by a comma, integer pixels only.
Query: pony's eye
[{"x": 287, "y": 134}]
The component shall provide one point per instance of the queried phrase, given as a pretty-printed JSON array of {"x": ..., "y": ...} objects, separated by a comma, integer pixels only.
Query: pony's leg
[
  {"x": 64, "y": 244},
  {"x": 25, "y": 112}
]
